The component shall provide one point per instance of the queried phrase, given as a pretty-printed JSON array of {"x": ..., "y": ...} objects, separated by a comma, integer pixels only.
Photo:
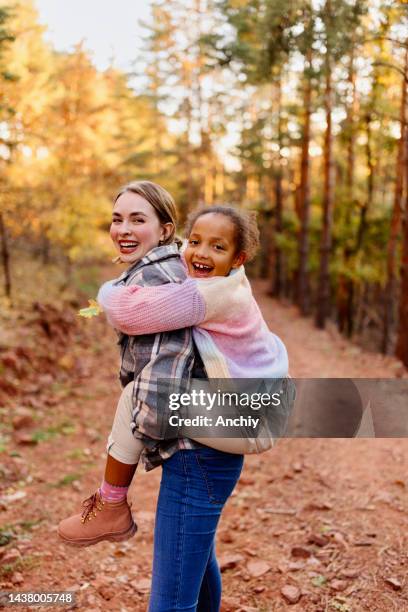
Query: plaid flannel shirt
[{"x": 146, "y": 358}]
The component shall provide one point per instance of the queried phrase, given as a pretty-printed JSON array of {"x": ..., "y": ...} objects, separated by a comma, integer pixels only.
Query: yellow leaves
[
  {"x": 93, "y": 310},
  {"x": 67, "y": 362}
]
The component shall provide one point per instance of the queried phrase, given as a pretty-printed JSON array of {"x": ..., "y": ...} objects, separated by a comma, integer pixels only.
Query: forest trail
[{"x": 313, "y": 525}]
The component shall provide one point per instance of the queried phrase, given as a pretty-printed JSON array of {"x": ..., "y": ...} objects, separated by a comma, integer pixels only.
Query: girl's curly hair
[{"x": 246, "y": 228}]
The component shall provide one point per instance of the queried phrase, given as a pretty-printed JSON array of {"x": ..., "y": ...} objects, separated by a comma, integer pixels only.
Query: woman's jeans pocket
[{"x": 220, "y": 472}]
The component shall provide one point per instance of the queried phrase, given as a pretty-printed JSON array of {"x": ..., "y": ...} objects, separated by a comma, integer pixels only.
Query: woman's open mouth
[
  {"x": 201, "y": 270},
  {"x": 127, "y": 246}
]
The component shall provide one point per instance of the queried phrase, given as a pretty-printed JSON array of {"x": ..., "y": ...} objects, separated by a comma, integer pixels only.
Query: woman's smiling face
[
  {"x": 211, "y": 249},
  {"x": 135, "y": 228}
]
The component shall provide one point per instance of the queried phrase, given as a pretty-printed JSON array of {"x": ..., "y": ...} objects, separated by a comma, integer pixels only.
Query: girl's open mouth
[{"x": 202, "y": 270}]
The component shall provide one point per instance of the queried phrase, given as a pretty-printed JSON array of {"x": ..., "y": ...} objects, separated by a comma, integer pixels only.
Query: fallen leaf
[
  {"x": 245, "y": 481},
  {"x": 295, "y": 566},
  {"x": 106, "y": 591},
  {"x": 229, "y": 561},
  {"x": 258, "y": 568},
  {"x": 25, "y": 439},
  {"x": 291, "y": 593},
  {"x": 350, "y": 573},
  {"x": 23, "y": 420},
  {"x": 229, "y": 604},
  {"x": 226, "y": 537},
  {"x": 11, "y": 556},
  {"x": 300, "y": 552},
  {"x": 394, "y": 583},
  {"x": 338, "y": 585},
  {"x": 14, "y": 497},
  {"x": 123, "y": 578},
  {"x": 93, "y": 310},
  {"x": 143, "y": 585},
  {"x": 319, "y": 540},
  {"x": 318, "y": 506},
  {"x": 313, "y": 562},
  {"x": 67, "y": 362},
  {"x": 17, "y": 578},
  {"x": 338, "y": 537},
  {"x": 289, "y": 511}
]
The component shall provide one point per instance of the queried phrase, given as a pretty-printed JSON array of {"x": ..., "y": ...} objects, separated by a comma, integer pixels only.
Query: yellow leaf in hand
[{"x": 93, "y": 310}]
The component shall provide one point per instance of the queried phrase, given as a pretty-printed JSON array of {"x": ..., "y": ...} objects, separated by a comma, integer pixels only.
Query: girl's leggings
[{"x": 124, "y": 447}]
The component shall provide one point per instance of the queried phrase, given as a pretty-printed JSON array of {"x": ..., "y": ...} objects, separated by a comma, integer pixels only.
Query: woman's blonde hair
[{"x": 159, "y": 198}]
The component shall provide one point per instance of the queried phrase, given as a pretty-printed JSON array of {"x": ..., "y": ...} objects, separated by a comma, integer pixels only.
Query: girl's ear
[
  {"x": 167, "y": 228},
  {"x": 240, "y": 259}
]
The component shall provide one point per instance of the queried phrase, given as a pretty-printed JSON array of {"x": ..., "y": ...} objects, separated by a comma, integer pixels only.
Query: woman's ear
[
  {"x": 239, "y": 260},
  {"x": 167, "y": 228}
]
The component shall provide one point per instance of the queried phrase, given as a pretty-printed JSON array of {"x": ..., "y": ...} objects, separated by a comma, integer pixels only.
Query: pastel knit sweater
[{"x": 230, "y": 332}]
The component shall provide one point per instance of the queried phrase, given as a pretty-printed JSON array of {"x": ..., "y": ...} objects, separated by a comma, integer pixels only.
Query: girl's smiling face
[
  {"x": 211, "y": 249},
  {"x": 136, "y": 228}
]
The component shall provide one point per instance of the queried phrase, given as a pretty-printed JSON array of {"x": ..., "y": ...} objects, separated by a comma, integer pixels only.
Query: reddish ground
[{"x": 320, "y": 522}]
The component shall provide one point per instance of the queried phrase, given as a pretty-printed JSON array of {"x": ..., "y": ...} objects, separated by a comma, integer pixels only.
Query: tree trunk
[
  {"x": 189, "y": 164},
  {"x": 345, "y": 285},
  {"x": 5, "y": 256},
  {"x": 157, "y": 161},
  {"x": 390, "y": 288},
  {"x": 278, "y": 276},
  {"x": 323, "y": 295},
  {"x": 370, "y": 189},
  {"x": 304, "y": 195},
  {"x": 402, "y": 337},
  {"x": 219, "y": 180},
  {"x": 351, "y": 145}
]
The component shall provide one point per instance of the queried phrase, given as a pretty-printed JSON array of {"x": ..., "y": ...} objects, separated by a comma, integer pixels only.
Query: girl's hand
[{"x": 93, "y": 310}]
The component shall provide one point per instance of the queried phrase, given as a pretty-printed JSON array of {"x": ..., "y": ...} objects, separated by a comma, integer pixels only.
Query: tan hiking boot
[{"x": 100, "y": 520}]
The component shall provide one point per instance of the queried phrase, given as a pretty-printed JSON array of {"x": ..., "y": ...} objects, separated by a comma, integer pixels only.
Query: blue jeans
[{"x": 194, "y": 487}]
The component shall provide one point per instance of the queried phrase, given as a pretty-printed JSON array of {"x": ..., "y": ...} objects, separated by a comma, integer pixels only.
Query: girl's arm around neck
[{"x": 136, "y": 310}]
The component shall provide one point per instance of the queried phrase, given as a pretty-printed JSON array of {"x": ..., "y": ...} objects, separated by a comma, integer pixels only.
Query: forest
[{"x": 296, "y": 109}]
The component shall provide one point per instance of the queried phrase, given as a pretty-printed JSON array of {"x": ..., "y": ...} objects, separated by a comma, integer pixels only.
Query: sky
[{"x": 109, "y": 28}]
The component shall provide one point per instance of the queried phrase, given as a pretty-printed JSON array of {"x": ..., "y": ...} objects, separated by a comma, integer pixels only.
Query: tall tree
[
  {"x": 339, "y": 19},
  {"x": 402, "y": 174},
  {"x": 5, "y": 111},
  {"x": 306, "y": 47}
]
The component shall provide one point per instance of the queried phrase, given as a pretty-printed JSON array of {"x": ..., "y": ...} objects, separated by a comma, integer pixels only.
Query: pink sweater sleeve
[{"x": 136, "y": 310}]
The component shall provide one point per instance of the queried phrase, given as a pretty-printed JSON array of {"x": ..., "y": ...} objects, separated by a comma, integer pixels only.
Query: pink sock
[{"x": 111, "y": 493}]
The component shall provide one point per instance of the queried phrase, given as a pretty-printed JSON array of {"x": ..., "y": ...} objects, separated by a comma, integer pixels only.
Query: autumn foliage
[{"x": 297, "y": 110}]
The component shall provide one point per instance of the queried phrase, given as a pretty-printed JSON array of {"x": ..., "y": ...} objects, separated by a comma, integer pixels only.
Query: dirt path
[{"x": 320, "y": 522}]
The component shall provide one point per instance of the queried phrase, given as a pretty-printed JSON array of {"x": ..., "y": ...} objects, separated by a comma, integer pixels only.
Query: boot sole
[{"x": 113, "y": 537}]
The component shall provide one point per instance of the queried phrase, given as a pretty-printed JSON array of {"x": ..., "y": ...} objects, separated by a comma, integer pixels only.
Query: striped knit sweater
[{"x": 229, "y": 330}]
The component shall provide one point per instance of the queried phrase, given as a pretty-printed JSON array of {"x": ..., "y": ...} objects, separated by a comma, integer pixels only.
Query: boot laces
[{"x": 90, "y": 504}]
